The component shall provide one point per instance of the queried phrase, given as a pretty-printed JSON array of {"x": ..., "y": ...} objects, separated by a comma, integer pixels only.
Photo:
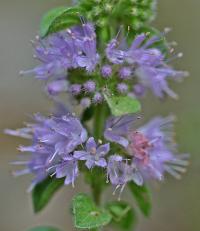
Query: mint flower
[
  {"x": 67, "y": 168},
  {"x": 69, "y": 49},
  {"x": 94, "y": 155},
  {"x": 54, "y": 139},
  {"x": 119, "y": 172},
  {"x": 147, "y": 64},
  {"x": 151, "y": 147},
  {"x": 138, "y": 68}
]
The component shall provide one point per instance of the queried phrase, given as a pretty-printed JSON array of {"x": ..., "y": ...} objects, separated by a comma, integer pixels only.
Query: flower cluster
[
  {"x": 121, "y": 69},
  {"x": 60, "y": 142},
  {"x": 54, "y": 140},
  {"x": 150, "y": 149}
]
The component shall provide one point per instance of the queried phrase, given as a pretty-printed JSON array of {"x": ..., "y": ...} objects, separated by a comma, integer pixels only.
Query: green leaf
[
  {"x": 142, "y": 196},
  {"x": 87, "y": 215},
  {"x": 44, "y": 229},
  {"x": 48, "y": 19},
  {"x": 58, "y": 19},
  {"x": 123, "y": 214},
  {"x": 44, "y": 191},
  {"x": 121, "y": 105}
]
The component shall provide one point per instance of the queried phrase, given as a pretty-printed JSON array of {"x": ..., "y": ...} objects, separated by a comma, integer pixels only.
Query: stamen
[
  {"x": 37, "y": 37},
  {"x": 53, "y": 156},
  {"x": 107, "y": 178},
  {"x": 179, "y": 169},
  {"x": 167, "y": 30},
  {"x": 53, "y": 174},
  {"x": 19, "y": 162},
  {"x": 118, "y": 186},
  {"x": 179, "y": 55},
  {"x": 172, "y": 172},
  {"x": 21, "y": 172},
  {"x": 100, "y": 141},
  {"x": 54, "y": 166},
  {"x": 120, "y": 192},
  {"x": 180, "y": 162},
  {"x": 119, "y": 31},
  {"x": 31, "y": 187}
]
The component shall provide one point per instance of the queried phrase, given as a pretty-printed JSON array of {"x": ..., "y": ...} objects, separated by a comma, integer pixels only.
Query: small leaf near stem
[
  {"x": 123, "y": 215},
  {"x": 44, "y": 191},
  {"x": 121, "y": 105},
  {"x": 87, "y": 215}
]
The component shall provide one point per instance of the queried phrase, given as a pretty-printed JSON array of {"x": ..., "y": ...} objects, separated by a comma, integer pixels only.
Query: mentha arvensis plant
[{"x": 104, "y": 55}]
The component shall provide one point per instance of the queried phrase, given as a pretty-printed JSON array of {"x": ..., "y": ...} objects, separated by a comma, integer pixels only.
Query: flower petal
[
  {"x": 90, "y": 163},
  {"x": 91, "y": 144},
  {"x": 116, "y": 138},
  {"x": 101, "y": 163},
  {"x": 103, "y": 149},
  {"x": 81, "y": 155}
]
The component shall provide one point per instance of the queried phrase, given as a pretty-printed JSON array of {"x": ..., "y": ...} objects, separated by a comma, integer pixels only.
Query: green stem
[
  {"x": 96, "y": 189},
  {"x": 100, "y": 115}
]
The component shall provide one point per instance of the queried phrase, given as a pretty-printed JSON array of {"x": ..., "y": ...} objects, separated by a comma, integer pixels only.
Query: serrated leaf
[
  {"x": 44, "y": 229},
  {"x": 142, "y": 197},
  {"x": 123, "y": 214},
  {"x": 121, "y": 105},
  {"x": 87, "y": 215},
  {"x": 44, "y": 191},
  {"x": 58, "y": 19}
]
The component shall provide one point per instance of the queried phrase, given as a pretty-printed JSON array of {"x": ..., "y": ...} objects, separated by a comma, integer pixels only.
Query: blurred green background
[{"x": 176, "y": 203}]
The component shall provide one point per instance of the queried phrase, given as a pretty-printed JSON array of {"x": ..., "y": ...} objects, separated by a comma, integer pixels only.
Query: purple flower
[
  {"x": 151, "y": 146},
  {"x": 85, "y": 40},
  {"x": 106, "y": 71},
  {"x": 94, "y": 155},
  {"x": 117, "y": 128},
  {"x": 115, "y": 170},
  {"x": 155, "y": 151},
  {"x": 139, "y": 90},
  {"x": 149, "y": 64},
  {"x": 36, "y": 165},
  {"x": 113, "y": 54},
  {"x": 119, "y": 172},
  {"x": 22, "y": 132},
  {"x": 97, "y": 98},
  {"x": 68, "y": 168},
  {"x": 125, "y": 72},
  {"x": 75, "y": 89},
  {"x": 85, "y": 102},
  {"x": 89, "y": 86},
  {"x": 64, "y": 133},
  {"x": 122, "y": 88},
  {"x": 72, "y": 48},
  {"x": 57, "y": 86},
  {"x": 156, "y": 79},
  {"x": 54, "y": 140}
]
